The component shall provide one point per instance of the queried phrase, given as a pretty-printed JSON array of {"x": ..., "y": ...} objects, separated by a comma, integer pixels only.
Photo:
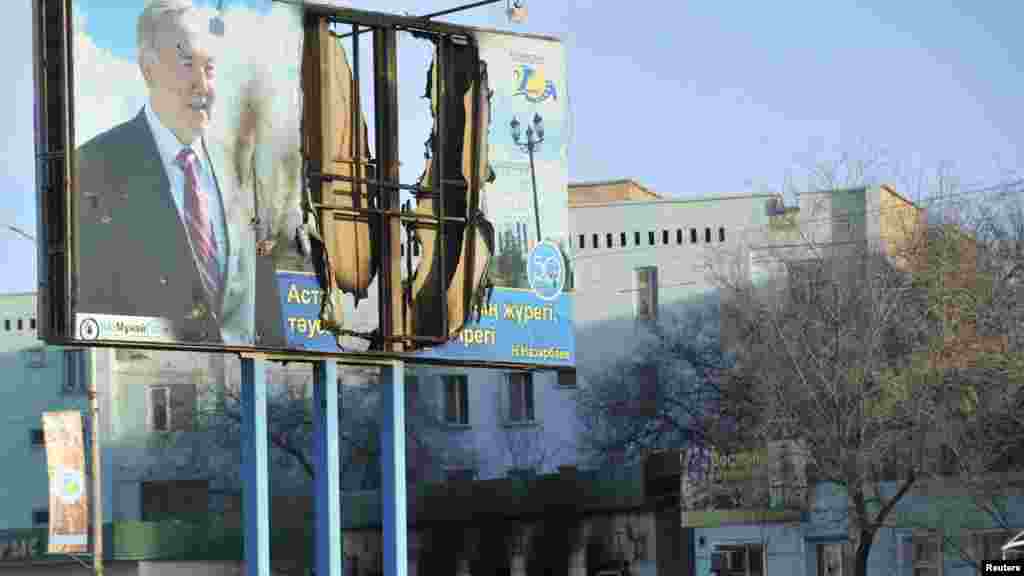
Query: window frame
[
  {"x": 648, "y": 293},
  {"x": 529, "y": 399},
  {"x": 560, "y": 381},
  {"x": 151, "y": 409},
  {"x": 460, "y": 384}
]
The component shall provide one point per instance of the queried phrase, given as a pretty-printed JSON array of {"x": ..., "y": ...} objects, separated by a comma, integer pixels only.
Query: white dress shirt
[{"x": 169, "y": 147}]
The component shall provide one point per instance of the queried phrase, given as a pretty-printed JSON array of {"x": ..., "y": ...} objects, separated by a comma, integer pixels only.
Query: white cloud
[{"x": 108, "y": 90}]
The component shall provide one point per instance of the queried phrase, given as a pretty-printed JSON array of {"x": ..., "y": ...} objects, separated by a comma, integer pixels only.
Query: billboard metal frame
[{"x": 58, "y": 223}]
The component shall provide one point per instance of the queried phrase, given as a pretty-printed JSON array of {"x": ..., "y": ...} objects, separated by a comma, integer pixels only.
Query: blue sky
[{"x": 701, "y": 97}]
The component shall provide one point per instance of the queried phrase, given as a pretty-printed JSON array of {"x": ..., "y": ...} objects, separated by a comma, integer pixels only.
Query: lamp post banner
[{"x": 65, "y": 464}]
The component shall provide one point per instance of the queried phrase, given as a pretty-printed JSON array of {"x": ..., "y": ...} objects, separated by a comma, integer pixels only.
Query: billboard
[
  {"x": 65, "y": 464},
  {"x": 230, "y": 193}
]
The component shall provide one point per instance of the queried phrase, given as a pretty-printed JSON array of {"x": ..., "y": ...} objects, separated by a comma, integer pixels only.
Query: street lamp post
[{"x": 534, "y": 137}]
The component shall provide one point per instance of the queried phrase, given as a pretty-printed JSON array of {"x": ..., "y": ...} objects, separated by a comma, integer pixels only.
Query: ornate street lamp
[{"x": 534, "y": 137}]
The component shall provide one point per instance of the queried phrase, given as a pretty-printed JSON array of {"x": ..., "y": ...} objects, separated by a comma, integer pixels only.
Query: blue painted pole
[
  {"x": 255, "y": 468},
  {"x": 326, "y": 472},
  {"x": 392, "y": 437}
]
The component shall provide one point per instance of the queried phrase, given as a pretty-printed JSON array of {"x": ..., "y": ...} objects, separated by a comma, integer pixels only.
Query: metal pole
[
  {"x": 97, "y": 485},
  {"x": 255, "y": 471},
  {"x": 328, "y": 485},
  {"x": 392, "y": 434},
  {"x": 530, "y": 143}
]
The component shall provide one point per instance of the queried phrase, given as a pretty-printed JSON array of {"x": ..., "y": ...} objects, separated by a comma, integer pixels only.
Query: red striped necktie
[{"x": 197, "y": 220}]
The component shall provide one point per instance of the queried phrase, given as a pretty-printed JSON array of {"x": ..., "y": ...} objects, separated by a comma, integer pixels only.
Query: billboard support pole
[
  {"x": 392, "y": 434},
  {"x": 328, "y": 489},
  {"x": 255, "y": 467}
]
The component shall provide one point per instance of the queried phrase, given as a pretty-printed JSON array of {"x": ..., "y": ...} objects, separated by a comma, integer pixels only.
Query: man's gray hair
[{"x": 156, "y": 13}]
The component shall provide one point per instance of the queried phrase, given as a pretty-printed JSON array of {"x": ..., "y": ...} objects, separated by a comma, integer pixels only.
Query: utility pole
[{"x": 97, "y": 484}]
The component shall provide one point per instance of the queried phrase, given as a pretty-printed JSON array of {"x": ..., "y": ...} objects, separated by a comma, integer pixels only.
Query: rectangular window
[
  {"x": 456, "y": 400},
  {"x": 75, "y": 375},
  {"x": 40, "y": 516},
  {"x": 679, "y": 235},
  {"x": 622, "y": 239},
  {"x": 36, "y": 437},
  {"x": 650, "y": 237},
  {"x": 37, "y": 357},
  {"x": 664, "y": 236},
  {"x": 927, "y": 554},
  {"x": 608, "y": 240},
  {"x": 646, "y": 291},
  {"x": 567, "y": 378},
  {"x": 594, "y": 242},
  {"x": 693, "y": 235},
  {"x": 583, "y": 241},
  {"x": 7, "y": 325},
  {"x": 830, "y": 559},
  {"x": 707, "y": 235},
  {"x": 988, "y": 545},
  {"x": 159, "y": 409},
  {"x": 460, "y": 474},
  {"x": 636, "y": 238},
  {"x": 520, "y": 395},
  {"x": 738, "y": 560},
  {"x": 174, "y": 498},
  {"x": 721, "y": 234},
  {"x": 32, "y": 323},
  {"x": 21, "y": 324}
]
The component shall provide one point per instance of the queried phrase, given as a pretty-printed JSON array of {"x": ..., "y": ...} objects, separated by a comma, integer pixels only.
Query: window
[
  {"x": 174, "y": 498},
  {"x": 32, "y": 323},
  {"x": 721, "y": 234},
  {"x": 567, "y": 378},
  {"x": 636, "y": 238},
  {"x": 159, "y": 409},
  {"x": 738, "y": 560},
  {"x": 460, "y": 474},
  {"x": 75, "y": 375},
  {"x": 21, "y": 324},
  {"x": 646, "y": 291},
  {"x": 830, "y": 559},
  {"x": 622, "y": 239},
  {"x": 608, "y": 240},
  {"x": 664, "y": 236},
  {"x": 693, "y": 235},
  {"x": 36, "y": 357},
  {"x": 7, "y": 325},
  {"x": 36, "y": 437},
  {"x": 594, "y": 243},
  {"x": 927, "y": 555},
  {"x": 583, "y": 241},
  {"x": 707, "y": 235},
  {"x": 520, "y": 397},
  {"x": 988, "y": 545},
  {"x": 650, "y": 237},
  {"x": 679, "y": 235},
  {"x": 456, "y": 401},
  {"x": 40, "y": 516}
]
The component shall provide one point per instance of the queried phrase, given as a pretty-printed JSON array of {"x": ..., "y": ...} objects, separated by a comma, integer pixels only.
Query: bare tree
[{"x": 660, "y": 396}]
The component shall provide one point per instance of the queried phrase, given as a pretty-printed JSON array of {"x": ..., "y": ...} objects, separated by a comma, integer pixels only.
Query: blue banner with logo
[{"x": 516, "y": 326}]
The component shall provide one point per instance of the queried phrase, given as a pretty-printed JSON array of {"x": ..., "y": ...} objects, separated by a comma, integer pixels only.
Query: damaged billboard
[{"x": 226, "y": 192}]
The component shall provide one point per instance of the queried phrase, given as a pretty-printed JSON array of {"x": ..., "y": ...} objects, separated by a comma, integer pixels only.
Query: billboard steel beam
[
  {"x": 326, "y": 474},
  {"x": 392, "y": 433},
  {"x": 255, "y": 467}
]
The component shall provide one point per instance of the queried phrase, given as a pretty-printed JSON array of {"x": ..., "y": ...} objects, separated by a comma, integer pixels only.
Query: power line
[{"x": 1003, "y": 189}]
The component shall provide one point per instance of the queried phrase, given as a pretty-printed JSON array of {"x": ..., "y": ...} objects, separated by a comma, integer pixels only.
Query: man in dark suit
[{"x": 158, "y": 234}]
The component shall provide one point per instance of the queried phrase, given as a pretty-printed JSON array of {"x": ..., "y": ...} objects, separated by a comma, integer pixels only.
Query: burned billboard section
[
  {"x": 302, "y": 179},
  {"x": 455, "y": 252}
]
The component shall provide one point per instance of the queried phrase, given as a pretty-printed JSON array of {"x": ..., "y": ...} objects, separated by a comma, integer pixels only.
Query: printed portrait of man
[{"x": 163, "y": 231}]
